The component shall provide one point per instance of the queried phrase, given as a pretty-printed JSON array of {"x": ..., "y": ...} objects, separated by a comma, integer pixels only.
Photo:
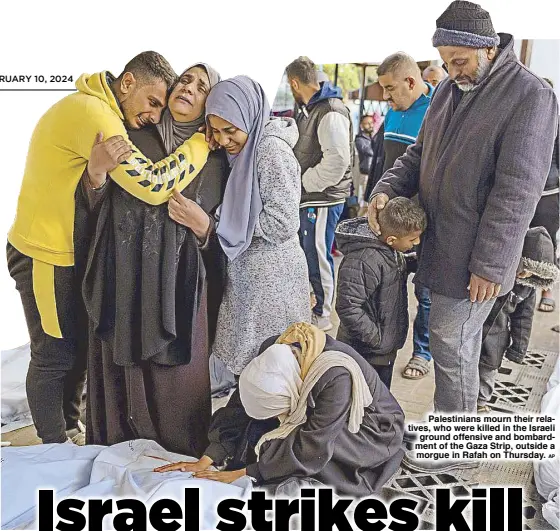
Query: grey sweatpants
[
  {"x": 455, "y": 343},
  {"x": 487, "y": 384}
]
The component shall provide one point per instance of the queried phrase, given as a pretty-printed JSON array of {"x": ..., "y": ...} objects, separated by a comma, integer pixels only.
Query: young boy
[
  {"x": 372, "y": 301},
  {"x": 507, "y": 329}
]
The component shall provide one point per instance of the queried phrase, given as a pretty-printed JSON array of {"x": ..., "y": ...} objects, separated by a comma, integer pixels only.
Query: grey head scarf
[
  {"x": 242, "y": 102},
  {"x": 174, "y": 133}
]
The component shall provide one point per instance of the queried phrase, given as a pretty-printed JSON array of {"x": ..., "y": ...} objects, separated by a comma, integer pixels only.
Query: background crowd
[{"x": 165, "y": 218}]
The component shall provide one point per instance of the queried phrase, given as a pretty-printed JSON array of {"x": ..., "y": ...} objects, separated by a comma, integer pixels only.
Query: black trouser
[
  {"x": 547, "y": 216},
  {"x": 57, "y": 370},
  {"x": 385, "y": 373}
]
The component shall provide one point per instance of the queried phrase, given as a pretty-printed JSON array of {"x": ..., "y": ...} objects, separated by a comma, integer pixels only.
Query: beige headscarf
[
  {"x": 311, "y": 341},
  {"x": 273, "y": 384}
]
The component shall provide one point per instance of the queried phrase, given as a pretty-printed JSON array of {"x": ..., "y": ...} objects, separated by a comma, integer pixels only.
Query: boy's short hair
[{"x": 401, "y": 216}]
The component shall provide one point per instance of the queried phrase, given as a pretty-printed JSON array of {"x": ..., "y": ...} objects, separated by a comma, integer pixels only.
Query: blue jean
[
  {"x": 316, "y": 233},
  {"x": 421, "y": 334}
]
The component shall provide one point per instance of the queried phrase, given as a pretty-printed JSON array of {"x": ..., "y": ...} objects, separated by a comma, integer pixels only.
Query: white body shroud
[
  {"x": 123, "y": 470},
  {"x": 15, "y": 408},
  {"x": 547, "y": 473}
]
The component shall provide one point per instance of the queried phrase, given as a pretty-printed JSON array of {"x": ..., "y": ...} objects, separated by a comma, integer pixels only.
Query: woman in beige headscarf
[{"x": 307, "y": 408}]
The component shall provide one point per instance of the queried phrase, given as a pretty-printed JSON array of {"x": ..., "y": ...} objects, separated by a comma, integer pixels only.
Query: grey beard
[{"x": 482, "y": 70}]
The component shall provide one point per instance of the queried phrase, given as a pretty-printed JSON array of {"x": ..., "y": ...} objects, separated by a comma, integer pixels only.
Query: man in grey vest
[{"x": 323, "y": 151}]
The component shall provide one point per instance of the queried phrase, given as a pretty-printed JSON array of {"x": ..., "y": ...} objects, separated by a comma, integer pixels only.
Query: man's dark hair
[
  {"x": 365, "y": 116},
  {"x": 399, "y": 62},
  {"x": 148, "y": 67},
  {"x": 302, "y": 69},
  {"x": 401, "y": 216}
]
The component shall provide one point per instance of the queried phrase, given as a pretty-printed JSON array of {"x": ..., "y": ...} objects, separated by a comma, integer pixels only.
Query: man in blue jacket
[{"x": 408, "y": 97}]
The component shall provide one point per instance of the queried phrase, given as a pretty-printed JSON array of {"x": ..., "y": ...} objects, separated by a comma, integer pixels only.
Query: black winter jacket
[
  {"x": 508, "y": 327},
  {"x": 365, "y": 151},
  {"x": 377, "y": 161},
  {"x": 372, "y": 300}
]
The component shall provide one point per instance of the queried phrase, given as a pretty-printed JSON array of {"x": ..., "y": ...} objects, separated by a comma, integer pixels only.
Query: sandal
[
  {"x": 547, "y": 305},
  {"x": 419, "y": 364},
  {"x": 482, "y": 410}
]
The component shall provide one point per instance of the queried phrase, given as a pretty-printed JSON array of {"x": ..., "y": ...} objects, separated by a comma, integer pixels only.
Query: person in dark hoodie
[
  {"x": 372, "y": 301},
  {"x": 365, "y": 153},
  {"x": 323, "y": 151},
  {"x": 546, "y": 213},
  {"x": 507, "y": 329}
]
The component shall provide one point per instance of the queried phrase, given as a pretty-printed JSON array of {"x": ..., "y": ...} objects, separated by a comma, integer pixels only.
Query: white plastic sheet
[
  {"x": 66, "y": 468},
  {"x": 15, "y": 408},
  {"x": 547, "y": 473},
  {"x": 122, "y": 470}
]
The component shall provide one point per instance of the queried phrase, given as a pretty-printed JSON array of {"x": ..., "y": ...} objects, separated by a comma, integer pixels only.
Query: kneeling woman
[{"x": 308, "y": 407}]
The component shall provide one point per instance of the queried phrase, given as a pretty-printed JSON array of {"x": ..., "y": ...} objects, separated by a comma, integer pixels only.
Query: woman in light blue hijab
[{"x": 267, "y": 286}]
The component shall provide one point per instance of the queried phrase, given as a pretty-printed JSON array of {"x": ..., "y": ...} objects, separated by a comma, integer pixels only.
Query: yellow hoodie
[{"x": 57, "y": 157}]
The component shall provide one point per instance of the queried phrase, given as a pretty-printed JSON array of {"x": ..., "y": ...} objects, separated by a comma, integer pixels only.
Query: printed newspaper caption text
[{"x": 497, "y": 436}]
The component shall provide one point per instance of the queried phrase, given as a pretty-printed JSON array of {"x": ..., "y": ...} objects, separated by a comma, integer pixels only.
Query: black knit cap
[{"x": 465, "y": 24}]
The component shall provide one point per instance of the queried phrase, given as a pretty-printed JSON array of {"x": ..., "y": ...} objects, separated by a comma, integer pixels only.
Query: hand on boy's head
[
  {"x": 524, "y": 274},
  {"x": 377, "y": 203},
  {"x": 372, "y": 223}
]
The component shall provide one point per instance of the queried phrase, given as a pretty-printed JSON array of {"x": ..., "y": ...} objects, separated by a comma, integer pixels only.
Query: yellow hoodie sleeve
[{"x": 151, "y": 182}]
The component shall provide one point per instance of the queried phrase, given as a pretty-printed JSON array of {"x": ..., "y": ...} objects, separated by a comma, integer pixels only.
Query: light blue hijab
[{"x": 242, "y": 102}]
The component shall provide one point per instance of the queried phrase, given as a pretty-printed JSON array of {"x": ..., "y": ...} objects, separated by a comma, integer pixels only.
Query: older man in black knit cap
[{"x": 479, "y": 166}]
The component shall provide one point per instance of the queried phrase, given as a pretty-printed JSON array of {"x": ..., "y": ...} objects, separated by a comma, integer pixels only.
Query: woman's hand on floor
[
  {"x": 184, "y": 466},
  {"x": 222, "y": 477},
  {"x": 189, "y": 214}
]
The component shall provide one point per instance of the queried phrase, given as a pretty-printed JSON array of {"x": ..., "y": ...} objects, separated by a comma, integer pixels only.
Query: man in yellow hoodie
[{"x": 48, "y": 228}]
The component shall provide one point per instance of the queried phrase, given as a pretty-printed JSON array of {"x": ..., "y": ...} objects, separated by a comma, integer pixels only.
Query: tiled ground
[{"x": 416, "y": 397}]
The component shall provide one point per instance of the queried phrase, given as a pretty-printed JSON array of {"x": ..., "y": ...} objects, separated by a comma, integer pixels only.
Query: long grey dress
[{"x": 267, "y": 286}]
